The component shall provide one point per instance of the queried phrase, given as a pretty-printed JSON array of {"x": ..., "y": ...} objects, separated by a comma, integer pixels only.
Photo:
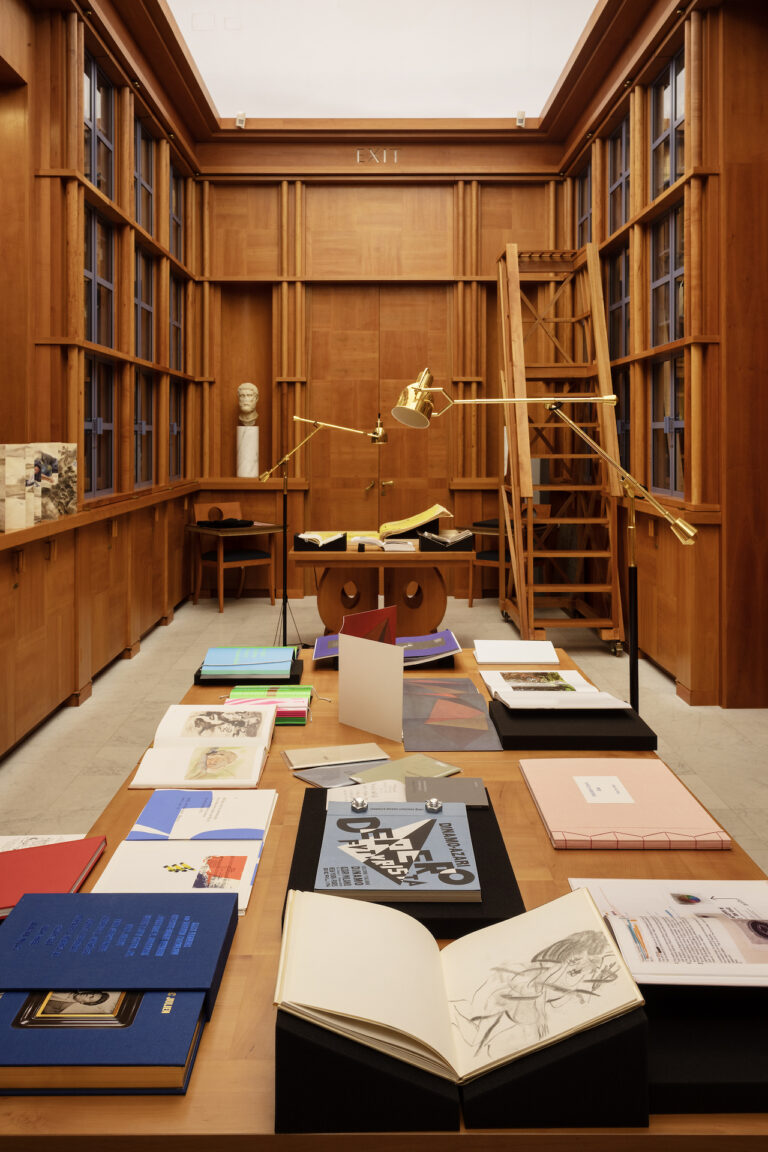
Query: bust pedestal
[{"x": 248, "y": 450}]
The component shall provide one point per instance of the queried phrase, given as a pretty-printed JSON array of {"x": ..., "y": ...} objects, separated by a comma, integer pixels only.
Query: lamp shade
[{"x": 414, "y": 405}]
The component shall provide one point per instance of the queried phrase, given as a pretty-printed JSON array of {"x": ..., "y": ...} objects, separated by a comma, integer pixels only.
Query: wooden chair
[{"x": 227, "y": 554}]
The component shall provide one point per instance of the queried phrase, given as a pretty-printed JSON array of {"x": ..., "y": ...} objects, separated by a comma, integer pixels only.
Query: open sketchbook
[{"x": 486, "y": 999}]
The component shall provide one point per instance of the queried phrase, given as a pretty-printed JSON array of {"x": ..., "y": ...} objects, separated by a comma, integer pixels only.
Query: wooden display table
[
  {"x": 229, "y": 1106},
  {"x": 349, "y": 582}
]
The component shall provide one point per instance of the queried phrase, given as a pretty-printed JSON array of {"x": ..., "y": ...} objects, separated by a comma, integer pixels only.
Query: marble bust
[{"x": 247, "y": 399}]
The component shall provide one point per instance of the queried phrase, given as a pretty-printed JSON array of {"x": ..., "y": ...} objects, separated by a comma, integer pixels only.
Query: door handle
[
  {"x": 368, "y": 487},
  {"x": 387, "y": 484}
]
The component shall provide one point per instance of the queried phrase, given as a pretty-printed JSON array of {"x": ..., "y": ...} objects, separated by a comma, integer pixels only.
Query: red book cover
[{"x": 46, "y": 868}]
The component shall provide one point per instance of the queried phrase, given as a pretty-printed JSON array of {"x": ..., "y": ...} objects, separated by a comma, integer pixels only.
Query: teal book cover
[{"x": 398, "y": 851}]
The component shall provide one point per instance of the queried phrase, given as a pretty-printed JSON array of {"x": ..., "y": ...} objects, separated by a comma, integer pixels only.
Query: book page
[
  {"x": 532, "y": 980},
  {"x": 350, "y": 962}
]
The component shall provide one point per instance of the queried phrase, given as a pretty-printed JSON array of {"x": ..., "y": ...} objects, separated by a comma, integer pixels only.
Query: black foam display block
[
  {"x": 327, "y": 1083},
  {"x": 707, "y": 1048},
  {"x": 446, "y": 920},
  {"x": 596, "y": 1079},
  {"x": 598, "y": 730},
  {"x": 297, "y": 667}
]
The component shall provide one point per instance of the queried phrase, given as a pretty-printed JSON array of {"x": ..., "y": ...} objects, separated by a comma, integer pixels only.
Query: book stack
[
  {"x": 293, "y": 701},
  {"x": 250, "y": 665}
]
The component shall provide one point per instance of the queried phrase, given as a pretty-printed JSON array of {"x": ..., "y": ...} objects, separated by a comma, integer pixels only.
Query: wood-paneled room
[{"x": 154, "y": 257}]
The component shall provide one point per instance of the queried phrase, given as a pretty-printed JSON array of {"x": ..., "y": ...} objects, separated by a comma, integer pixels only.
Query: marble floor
[{"x": 61, "y": 776}]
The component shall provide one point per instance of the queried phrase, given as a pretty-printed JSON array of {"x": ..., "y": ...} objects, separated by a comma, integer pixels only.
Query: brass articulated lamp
[
  {"x": 378, "y": 436},
  {"x": 415, "y": 408}
]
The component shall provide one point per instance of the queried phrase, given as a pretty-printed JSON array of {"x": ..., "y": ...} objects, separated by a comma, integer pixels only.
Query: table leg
[
  {"x": 341, "y": 591},
  {"x": 421, "y": 598}
]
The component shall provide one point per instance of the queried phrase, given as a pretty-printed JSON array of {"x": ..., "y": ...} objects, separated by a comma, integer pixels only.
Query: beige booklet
[
  {"x": 484, "y": 1000},
  {"x": 333, "y": 754}
]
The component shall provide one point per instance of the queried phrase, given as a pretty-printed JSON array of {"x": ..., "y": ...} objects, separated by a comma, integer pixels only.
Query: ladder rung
[
  {"x": 567, "y": 487},
  {"x": 570, "y": 622},
  {"x": 545, "y": 554},
  {"x": 542, "y": 521}
]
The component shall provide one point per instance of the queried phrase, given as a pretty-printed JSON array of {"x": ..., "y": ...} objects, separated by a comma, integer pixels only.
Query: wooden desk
[
  {"x": 220, "y": 535},
  {"x": 349, "y": 582},
  {"x": 229, "y": 1104}
]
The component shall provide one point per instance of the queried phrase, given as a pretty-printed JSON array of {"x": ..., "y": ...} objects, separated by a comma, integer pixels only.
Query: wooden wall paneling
[
  {"x": 14, "y": 255},
  {"x": 551, "y": 201},
  {"x": 212, "y": 441},
  {"x": 414, "y": 332},
  {"x": 244, "y": 231},
  {"x": 74, "y": 146},
  {"x": 125, "y": 270},
  {"x": 124, "y": 194},
  {"x": 162, "y": 230},
  {"x": 146, "y": 544},
  {"x": 344, "y": 369},
  {"x": 103, "y": 595},
  {"x": 379, "y": 231},
  {"x": 514, "y": 213},
  {"x": 8, "y": 696},
  {"x": 45, "y": 630},
  {"x": 599, "y": 195}
]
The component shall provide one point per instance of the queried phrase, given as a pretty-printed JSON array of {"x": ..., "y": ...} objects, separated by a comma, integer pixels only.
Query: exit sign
[{"x": 375, "y": 156}]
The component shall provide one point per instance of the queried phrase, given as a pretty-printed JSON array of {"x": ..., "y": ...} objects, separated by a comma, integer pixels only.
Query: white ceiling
[{"x": 380, "y": 58}]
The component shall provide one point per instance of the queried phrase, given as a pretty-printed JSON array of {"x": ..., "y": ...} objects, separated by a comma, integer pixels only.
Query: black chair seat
[
  {"x": 494, "y": 555},
  {"x": 241, "y": 555}
]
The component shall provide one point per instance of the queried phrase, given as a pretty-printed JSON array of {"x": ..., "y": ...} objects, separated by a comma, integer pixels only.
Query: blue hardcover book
[
  {"x": 397, "y": 851},
  {"x": 134, "y": 941},
  {"x": 422, "y": 649},
  {"x": 95, "y": 1041},
  {"x": 250, "y": 660}
]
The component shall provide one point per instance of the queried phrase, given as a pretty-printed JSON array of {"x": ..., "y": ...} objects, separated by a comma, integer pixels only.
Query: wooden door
[{"x": 365, "y": 345}]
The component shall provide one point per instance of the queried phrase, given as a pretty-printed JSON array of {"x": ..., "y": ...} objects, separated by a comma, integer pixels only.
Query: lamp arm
[
  {"x": 318, "y": 424},
  {"x": 684, "y": 531},
  {"x": 578, "y": 399},
  {"x": 286, "y": 458}
]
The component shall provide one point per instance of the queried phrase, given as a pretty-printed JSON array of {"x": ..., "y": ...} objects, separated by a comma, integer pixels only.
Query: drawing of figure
[
  {"x": 247, "y": 399},
  {"x": 214, "y": 763},
  {"x": 215, "y": 723},
  {"x": 521, "y": 998}
]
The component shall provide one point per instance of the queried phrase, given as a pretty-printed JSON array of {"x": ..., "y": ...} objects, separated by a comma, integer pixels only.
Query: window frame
[
  {"x": 618, "y": 186},
  {"x": 97, "y": 288},
  {"x": 670, "y": 425},
  {"x": 176, "y": 400},
  {"x": 176, "y": 214},
  {"x": 94, "y": 81},
  {"x": 671, "y": 316},
  {"x": 584, "y": 206},
  {"x": 176, "y": 316},
  {"x": 143, "y": 181},
  {"x": 669, "y": 143},
  {"x": 144, "y": 408},
  {"x": 618, "y": 304},
  {"x": 99, "y": 427},
  {"x": 143, "y": 300}
]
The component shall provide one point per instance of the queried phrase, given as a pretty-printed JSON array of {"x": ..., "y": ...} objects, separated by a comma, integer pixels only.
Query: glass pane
[
  {"x": 679, "y": 308},
  {"x": 88, "y": 392},
  {"x": 661, "y": 106},
  {"x": 679, "y": 478},
  {"x": 88, "y": 484},
  {"x": 146, "y": 158},
  {"x": 104, "y": 109},
  {"x": 103, "y": 252},
  {"x": 661, "y": 178},
  {"x": 679, "y": 151},
  {"x": 145, "y": 218},
  {"x": 87, "y": 145},
  {"x": 660, "y": 248},
  {"x": 87, "y": 93},
  {"x": 104, "y": 460},
  {"x": 146, "y": 334},
  {"x": 660, "y": 392},
  {"x": 615, "y": 331},
  {"x": 87, "y": 308},
  {"x": 680, "y": 89},
  {"x": 679, "y": 236},
  {"x": 679, "y": 371},
  {"x": 660, "y": 315},
  {"x": 614, "y": 158},
  {"x": 104, "y": 393},
  {"x": 616, "y": 208},
  {"x": 103, "y": 179},
  {"x": 660, "y": 460},
  {"x": 103, "y": 316}
]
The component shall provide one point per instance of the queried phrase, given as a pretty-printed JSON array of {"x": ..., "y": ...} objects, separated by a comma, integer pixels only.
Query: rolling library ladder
[{"x": 558, "y": 499}]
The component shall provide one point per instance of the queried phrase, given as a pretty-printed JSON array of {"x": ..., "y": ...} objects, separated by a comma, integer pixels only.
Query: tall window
[
  {"x": 667, "y": 277},
  {"x": 618, "y": 304},
  {"x": 668, "y": 426},
  {"x": 99, "y": 283},
  {"x": 618, "y": 176},
  {"x": 177, "y": 324},
  {"x": 98, "y": 127},
  {"x": 584, "y": 206},
  {"x": 177, "y": 215},
  {"x": 99, "y": 428},
  {"x": 143, "y": 304},
  {"x": 144, "y": 428},
  {"x": 668, "y": 126},
  {"x": 144, "y": 176},
  {"x": 175, "y": 431}
]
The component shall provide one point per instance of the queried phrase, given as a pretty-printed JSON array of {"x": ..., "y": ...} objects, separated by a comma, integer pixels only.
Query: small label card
[{"x": 603, "y": 790}]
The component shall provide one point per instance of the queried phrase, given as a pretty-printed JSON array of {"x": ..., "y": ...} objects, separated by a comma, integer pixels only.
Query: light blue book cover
[
  {"x": 248, "y": 659},
  {"x": 398, "y": 852},
  {"x": 187, "y": 814}
]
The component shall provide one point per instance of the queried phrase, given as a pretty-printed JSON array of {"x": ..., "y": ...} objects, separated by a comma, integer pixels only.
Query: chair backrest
[{"x": 226, "y": 510}]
